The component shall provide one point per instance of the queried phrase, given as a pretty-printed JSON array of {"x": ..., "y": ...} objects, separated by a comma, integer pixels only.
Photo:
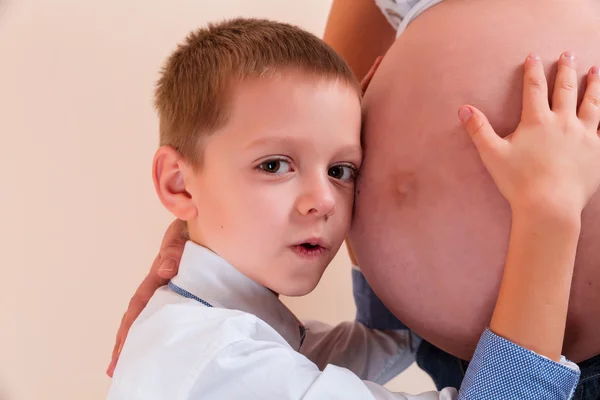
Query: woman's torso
[{"x": 431, "y": 229}]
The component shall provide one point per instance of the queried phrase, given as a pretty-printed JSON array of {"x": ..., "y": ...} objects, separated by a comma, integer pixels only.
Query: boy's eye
[
  {"x": 275, "y": 166},
  {"x": 342, "y": 172}
]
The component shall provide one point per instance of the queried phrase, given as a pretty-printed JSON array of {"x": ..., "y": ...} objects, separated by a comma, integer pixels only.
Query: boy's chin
[
  {"x": 297, "y": 289},
  {"x": 297, "y": 293}
]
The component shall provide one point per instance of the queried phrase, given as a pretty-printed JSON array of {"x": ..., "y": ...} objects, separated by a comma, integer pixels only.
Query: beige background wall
[{"x": 79, "y": 221}]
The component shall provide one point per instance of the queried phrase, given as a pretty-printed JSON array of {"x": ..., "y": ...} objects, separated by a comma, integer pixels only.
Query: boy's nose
[{"x": 318, "y": 199}]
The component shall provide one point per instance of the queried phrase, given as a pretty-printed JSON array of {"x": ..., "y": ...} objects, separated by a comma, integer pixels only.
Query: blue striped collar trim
[
  {"x": 209, "y": 279},
  {"x": 185, "y": 293}
]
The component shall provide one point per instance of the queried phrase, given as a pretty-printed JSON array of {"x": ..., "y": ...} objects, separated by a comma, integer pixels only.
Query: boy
[{"x": 260, "y": 127}]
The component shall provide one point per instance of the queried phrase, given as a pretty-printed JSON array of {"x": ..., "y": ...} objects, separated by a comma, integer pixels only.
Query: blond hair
[{"x": 192, "y": 92}]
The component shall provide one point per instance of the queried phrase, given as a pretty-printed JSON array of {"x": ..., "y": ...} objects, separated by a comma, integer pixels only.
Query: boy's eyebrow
[
  {"x": 349, "y": 150},
  {"x": 271, "y": 139}
]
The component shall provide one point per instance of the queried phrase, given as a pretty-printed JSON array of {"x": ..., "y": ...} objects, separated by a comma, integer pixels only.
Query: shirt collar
[{"x": 209, "y": 277}]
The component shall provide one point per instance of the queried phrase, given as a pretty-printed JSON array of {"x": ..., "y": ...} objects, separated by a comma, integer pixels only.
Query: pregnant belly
[{"x": 430, "y": 229}]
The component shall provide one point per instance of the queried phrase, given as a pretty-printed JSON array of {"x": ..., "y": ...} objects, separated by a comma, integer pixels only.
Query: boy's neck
[{"x": 186, "y": 235}]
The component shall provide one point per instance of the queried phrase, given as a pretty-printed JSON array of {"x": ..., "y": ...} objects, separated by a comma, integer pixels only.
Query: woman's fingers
[{"x": 164, "y": 267}]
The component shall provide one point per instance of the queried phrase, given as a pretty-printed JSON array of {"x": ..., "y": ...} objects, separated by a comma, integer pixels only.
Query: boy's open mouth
[{"x": 310, "y": 248}]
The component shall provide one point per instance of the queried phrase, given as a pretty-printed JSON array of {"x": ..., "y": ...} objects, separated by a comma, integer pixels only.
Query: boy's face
[{"x": 275, "y": 190}]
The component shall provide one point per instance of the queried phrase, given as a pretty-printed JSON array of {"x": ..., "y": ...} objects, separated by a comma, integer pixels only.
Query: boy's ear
[{"x": 168, "y": 172}]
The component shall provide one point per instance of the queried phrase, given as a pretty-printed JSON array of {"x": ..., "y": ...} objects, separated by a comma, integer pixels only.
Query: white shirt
[
  {"x": 215, "y": 334},
  {"x": 233, "y": 338}
]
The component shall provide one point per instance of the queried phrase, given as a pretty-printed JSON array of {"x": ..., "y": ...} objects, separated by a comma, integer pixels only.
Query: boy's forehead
[
  {"x": 292, "y": 96},
  {"x": 296, "y": 102},
  {"x": 292, "y": 104},
  {"x": 287, "y": 110}
]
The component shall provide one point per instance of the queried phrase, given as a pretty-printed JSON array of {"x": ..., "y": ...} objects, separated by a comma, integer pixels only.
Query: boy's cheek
[
  {"x": 345, "y": 207},
  {"x": 269, "y": 203}
]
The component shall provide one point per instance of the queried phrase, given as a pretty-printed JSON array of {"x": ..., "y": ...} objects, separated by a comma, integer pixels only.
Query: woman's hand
[{"x": 164, "y": 267}]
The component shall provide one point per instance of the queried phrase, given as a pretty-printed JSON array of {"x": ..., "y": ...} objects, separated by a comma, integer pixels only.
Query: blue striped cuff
[{"x": 501, "y": 369}]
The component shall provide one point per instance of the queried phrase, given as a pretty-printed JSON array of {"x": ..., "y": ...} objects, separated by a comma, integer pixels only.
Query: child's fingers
[
  {"x": 478, "y": 127},
  {"x": 535, "y": 90},
  {"x": 589, "y": 111},
  {"x": 364, "y": 84},
  {"x": 564, "y": 98}
]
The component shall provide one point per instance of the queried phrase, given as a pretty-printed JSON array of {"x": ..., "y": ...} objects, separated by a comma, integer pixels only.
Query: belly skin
[{"x": 430, "y": 229}]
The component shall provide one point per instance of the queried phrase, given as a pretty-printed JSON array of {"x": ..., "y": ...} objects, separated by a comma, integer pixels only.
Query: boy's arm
[
  {"x": 371, "y": 354},
  {"x": 531, "y": 309},
  {"x": 376, "y": 346},
  {"x": 547, "y": 170}
]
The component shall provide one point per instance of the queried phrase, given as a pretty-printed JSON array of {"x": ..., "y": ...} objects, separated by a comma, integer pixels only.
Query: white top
[
  {"x": 400, "y": 13},
  {"x": 232, "y": 338},
  {"x": 215, "y": 334}
]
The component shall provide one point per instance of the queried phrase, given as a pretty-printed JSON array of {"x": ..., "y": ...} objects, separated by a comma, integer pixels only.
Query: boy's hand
[
  {"x": 547, "y": 169},
  {"x": 164, "y": 267},
  {"x": 551, "y": 162}
]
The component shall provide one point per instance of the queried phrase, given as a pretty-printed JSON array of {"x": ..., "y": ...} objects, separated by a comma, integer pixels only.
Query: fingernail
[
  {"x": 569, "y": 57},
  {"x": 595, "y": 70},
  {"x": 111, "y": 369},
  {"x": 465, "y": 114},
  {"x": 534, "y": 57},
  {"x": 167, "y": 266}
]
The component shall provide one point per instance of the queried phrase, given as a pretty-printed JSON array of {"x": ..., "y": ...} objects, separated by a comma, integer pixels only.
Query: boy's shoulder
[
  {"x": 171, "y": 322},
  {"x": 174, "y": 340},
  {"x": 169, "y": 314}
]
